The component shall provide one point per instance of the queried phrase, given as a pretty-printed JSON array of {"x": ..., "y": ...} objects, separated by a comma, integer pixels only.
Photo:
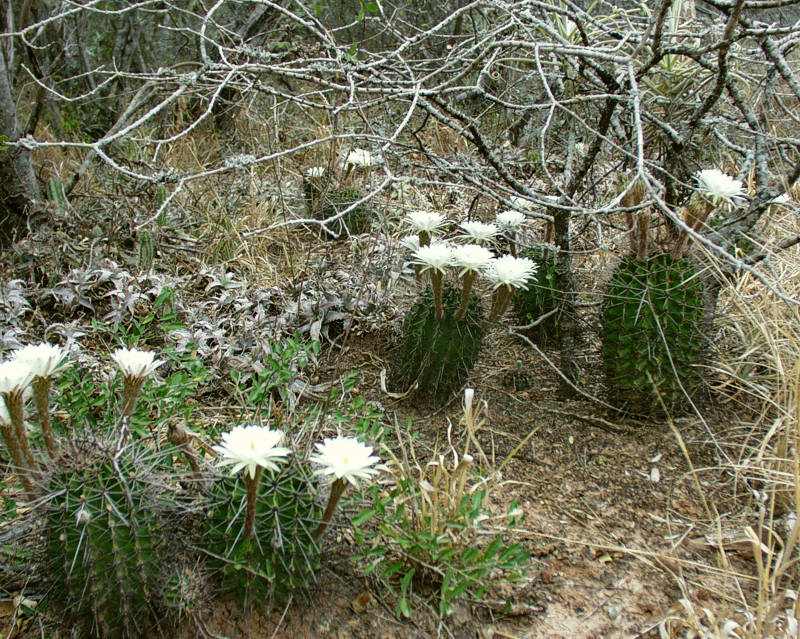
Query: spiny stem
[
  {"x": 469, "y": 278},
  {"x": 500, "y": 301},
  {"x": 130, "y": 395},
  {"x": 41, "y": 395},
  {"x": 643, "y": 222},
  {"x": 337, "y": 488},
  {"x": 548, "y": 238}
]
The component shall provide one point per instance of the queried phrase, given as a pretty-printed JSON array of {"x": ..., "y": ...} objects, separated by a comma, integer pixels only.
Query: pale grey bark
[{"x": 19, "y": 190}]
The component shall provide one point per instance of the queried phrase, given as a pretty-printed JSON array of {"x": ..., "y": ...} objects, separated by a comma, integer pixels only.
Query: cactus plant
[
  {"x": 651, "y": 332},
  {"x": 281, "y": 556},
  {"x": 324, "y": 200},
  {"x": 103, "y": 539},
  {"x": 439, "y": 354},
  {"x": 539, "y": 299}
]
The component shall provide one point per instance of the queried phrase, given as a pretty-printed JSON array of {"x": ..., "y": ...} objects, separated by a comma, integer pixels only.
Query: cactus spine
[{"x": 540, "y": 299}]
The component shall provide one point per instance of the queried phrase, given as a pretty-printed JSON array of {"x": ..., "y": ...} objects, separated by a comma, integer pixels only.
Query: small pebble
[{"x": 613, "y": 612}]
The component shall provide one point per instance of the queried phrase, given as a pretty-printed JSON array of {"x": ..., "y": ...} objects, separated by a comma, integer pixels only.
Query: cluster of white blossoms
[
  {"x": 434, "y": 256},
  {"x": 505, "y": 270},
  {"x": 27, "y": 364},
  {"x": 250, "y": 447}
]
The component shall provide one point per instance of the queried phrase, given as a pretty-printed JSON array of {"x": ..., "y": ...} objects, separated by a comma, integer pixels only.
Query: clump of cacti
[
  {"x": 539, "y": 304},
  {"x": 279, "y": 554},
  {"x": 336, "y": 201},
  {"x": 439, "y": 353},
  {"x": 443, "y": 332},
  {"x": 653, "y": 313},
  {"x": 104, "y": 541}
]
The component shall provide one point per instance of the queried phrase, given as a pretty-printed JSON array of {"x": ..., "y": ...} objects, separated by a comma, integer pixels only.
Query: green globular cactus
[
  {"x": 103, "y": 541},
  {"x": 281, "y": 556},
  {"x": 337, "y": 200},
  {"x": 539, "y": 299},
  {"x": 440, "y": 354},
  {"x": 651, "y": 332}
]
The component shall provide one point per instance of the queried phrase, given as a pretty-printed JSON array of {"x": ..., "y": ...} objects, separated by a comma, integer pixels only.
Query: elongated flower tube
[
  {"x": 470, "y": 259},
  {"x": 136, "y": 366},
  {"x": 251, "y": 448},
  {"x": 507, "y": 273},
  {"x": 15, "y": 377},
  {"x": 425, "y": 223},
  {"x": 44, "y": 360},
  {"x": 435, "y": 258},
  {"x": 479, "y": 232},
  {"x": 346, "y": 459}
]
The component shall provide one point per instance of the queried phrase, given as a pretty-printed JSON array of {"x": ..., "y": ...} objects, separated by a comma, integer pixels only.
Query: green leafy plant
[
  {"x": 283, "y": 364},
  {"x": 427, "y": 533}
]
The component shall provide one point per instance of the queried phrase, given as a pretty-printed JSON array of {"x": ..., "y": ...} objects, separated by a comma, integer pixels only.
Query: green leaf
[
  {"x": 404, "y": 608},
  {"x": 363, "y": 516}
]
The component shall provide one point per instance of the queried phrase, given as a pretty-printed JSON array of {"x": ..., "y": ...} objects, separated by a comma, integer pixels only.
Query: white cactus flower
[
  {"x": 510, "y": 271},
  {"x": 136, "y": 363},
  {"x": 411, "y": 242},
  {"x": 249, "y": 447},
  {"x": 15, "y": 377},
  {"x": 360, "y": 157},
  {"x": 315, "y": 172},
  {"x": 510, "y": 220},
  {"x": 434, "y": 257},
  {"x": 424, "y": 221},
  {"x": 470, "y": 257},
  {"x": 522, "y": 203},
  {"x": 480, "y": 231},
  {"x": 719, "y": 186},
  {"x": 345, "y": 458},
  {"x": 44, "y": 359}
]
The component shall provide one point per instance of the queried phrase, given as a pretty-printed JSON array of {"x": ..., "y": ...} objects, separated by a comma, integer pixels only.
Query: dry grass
[{"x": 757, "y": 372}]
